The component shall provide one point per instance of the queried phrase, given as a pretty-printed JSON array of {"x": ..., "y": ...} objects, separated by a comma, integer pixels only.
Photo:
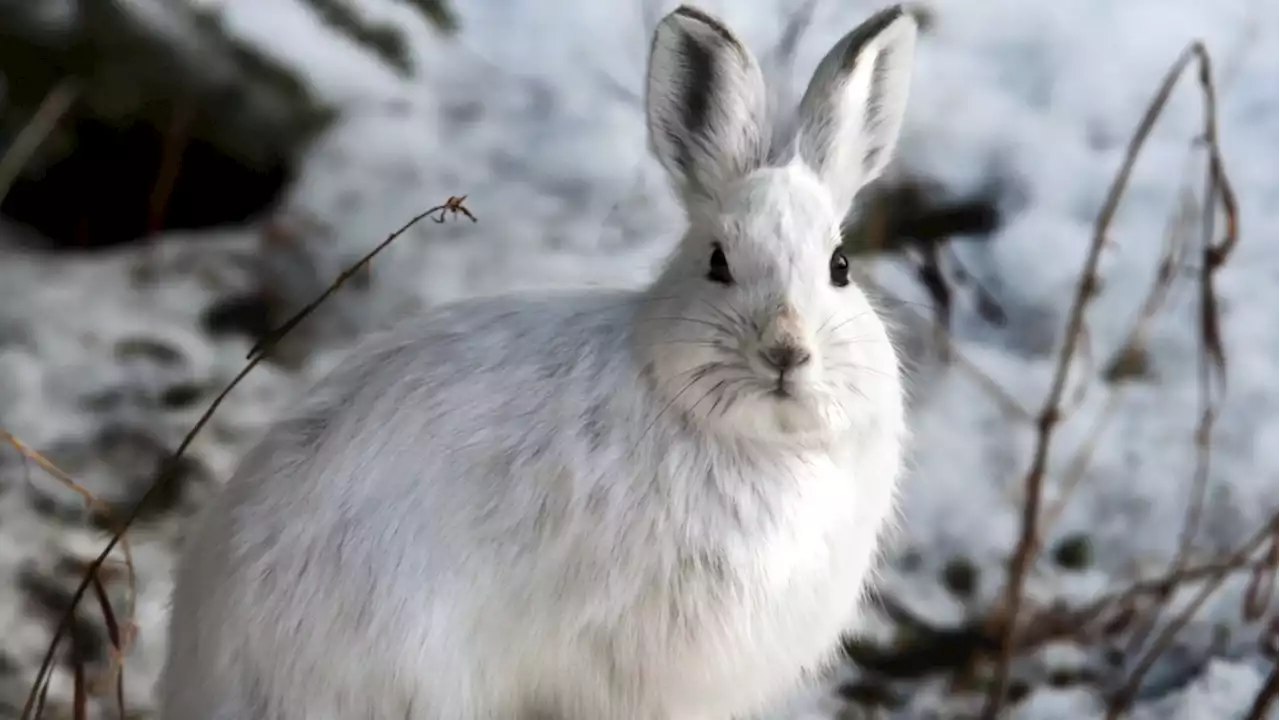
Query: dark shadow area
[{"x": 125, "y": 183}]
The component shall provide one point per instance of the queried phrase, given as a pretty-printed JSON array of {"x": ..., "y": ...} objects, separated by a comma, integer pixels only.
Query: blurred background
[{"x": 178, "y": 177}]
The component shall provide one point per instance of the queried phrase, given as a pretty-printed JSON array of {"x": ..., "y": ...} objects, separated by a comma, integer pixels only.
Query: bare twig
[
  {"x": 1125, "y": 697},
  {"x": 176, "y": 136},
  {"x": 1212, "y": 372},
  {"x": 1050, "y": 416},
  {"x": 99, "y": 508},
  {"x": 454, "y": 205},
  {"x": 33, "y": 708},
  {"x": 46, "y": 117},
  {"x": 1007, "y": 401},
  {"x": 1266, "y": 698},
  {"x": 1175, "y": 247},
  {"x": 930, "y": 649},
  {"x": 1213, "y": 367}
]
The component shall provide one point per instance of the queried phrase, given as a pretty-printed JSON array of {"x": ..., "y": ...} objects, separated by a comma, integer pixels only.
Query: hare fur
[{"x": 653, "y": 505}]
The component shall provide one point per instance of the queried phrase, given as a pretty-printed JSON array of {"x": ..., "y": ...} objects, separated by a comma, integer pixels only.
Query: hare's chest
[
  {"x": 772, "y": 586},
  {"x": 808, "y": 553}
]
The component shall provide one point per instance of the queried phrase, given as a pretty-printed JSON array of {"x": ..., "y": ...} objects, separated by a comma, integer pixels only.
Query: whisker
[
  {"x": 848, "y": 387},
  {"x": 699, "y": 372},
  {"x": 861, "y": 369},
  {"x": 710, "y": 391},
  {"x": 729, "y": 396},
  {"x": 846, "y": 321},
  {"x": 740, "y": 317},
  {"x": 899, "y": 302},
  {"x": 696, "y": 321},
  {"x": 719, "y": 312},
  {"x": 824, "y": 324},
  {"x": 851, "y": 341},
  {"x": 715, "y": 344},
  {"x": 732, "y": 397}
]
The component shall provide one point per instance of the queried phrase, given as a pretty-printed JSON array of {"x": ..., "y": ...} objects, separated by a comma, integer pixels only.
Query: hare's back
[
  {"x": 435, "y": 417},
  {"x": 485, "y": 369},
  {"x": 409, "y": 478}
]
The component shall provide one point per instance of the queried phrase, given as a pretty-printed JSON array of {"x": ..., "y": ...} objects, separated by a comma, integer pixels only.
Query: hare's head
[{"x": 755, "y": 325}]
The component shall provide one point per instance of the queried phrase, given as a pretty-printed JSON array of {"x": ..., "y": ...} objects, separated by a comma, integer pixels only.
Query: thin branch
[
  {"x": 1211, "y": 370},
  {"x": 54, "y": 106},
  {"x": 35, "y": 700},
  {"x": 1050, "y": 416},
  {"x": 1129, "y": 692},
  {"x": 453, "y": 205},
  {"x": 1175, "y": 246},
  {"x": 1266, "y": 698}
]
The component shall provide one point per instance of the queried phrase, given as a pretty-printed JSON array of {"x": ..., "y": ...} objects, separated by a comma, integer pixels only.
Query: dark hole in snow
[
  {"x": 248, "y": 314},
  {"x": 1018, "y": 691},
  {"x": 120, "y": 184},
  {"x": 960, "y": 576}
]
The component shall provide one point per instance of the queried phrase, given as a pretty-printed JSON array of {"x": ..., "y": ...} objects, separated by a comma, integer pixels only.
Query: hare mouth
[{"x": 783, "y": 389}]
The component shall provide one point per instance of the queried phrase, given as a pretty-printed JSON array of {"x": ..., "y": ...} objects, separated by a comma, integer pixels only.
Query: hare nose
[{"x": 784, "y": 356}]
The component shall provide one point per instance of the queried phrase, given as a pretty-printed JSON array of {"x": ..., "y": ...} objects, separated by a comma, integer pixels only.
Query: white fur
[{"x": 580, "y": 506}]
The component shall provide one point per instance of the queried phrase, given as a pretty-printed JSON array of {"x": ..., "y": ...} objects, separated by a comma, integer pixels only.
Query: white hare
[{"x": 595, "y": 506}]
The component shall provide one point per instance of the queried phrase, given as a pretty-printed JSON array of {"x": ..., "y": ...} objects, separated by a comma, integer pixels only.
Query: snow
[
  {"x": 1216, "y": 694},
  {"x": 533, "y": 113}
]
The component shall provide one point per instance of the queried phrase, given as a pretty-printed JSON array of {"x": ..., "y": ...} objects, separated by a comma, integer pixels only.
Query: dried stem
[
  {"x": 1266, "y": 698},
  {"x": 33, "y": 708},
  {"x": 46, "y": 117},
  {"x": 1124, "y": 699},
  {"x": 1050, "y": 415}
]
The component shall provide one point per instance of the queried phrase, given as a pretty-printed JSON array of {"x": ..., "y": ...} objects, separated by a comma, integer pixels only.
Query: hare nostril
[{"x": 785, "y": 357}]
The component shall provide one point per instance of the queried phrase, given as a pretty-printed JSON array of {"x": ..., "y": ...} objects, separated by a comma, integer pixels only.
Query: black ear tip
[
  {"x": 887, "y": 16},
  {"x": 693, "y": 13},
  {"x": 689, "y": 12},
  {"x": 919, "y": 15},
  {"x": 851, "y": 46}
]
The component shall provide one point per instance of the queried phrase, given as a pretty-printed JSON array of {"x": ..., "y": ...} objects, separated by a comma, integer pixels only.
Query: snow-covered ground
[{"x": 533, "y": 112}]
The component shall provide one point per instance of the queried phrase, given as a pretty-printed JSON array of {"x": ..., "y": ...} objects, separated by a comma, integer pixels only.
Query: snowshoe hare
[{"x": 601, "y": 505}]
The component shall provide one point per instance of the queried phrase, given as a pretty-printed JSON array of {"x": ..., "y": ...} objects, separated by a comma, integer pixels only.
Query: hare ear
[
  {"x": 706, "y": 104},
  {"x": 851, "y": 113}
]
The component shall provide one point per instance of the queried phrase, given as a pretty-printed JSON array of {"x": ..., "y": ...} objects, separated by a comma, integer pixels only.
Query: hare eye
[
  {"x": 839, "y": 267},
  {"x": 718, "y": 272}
]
